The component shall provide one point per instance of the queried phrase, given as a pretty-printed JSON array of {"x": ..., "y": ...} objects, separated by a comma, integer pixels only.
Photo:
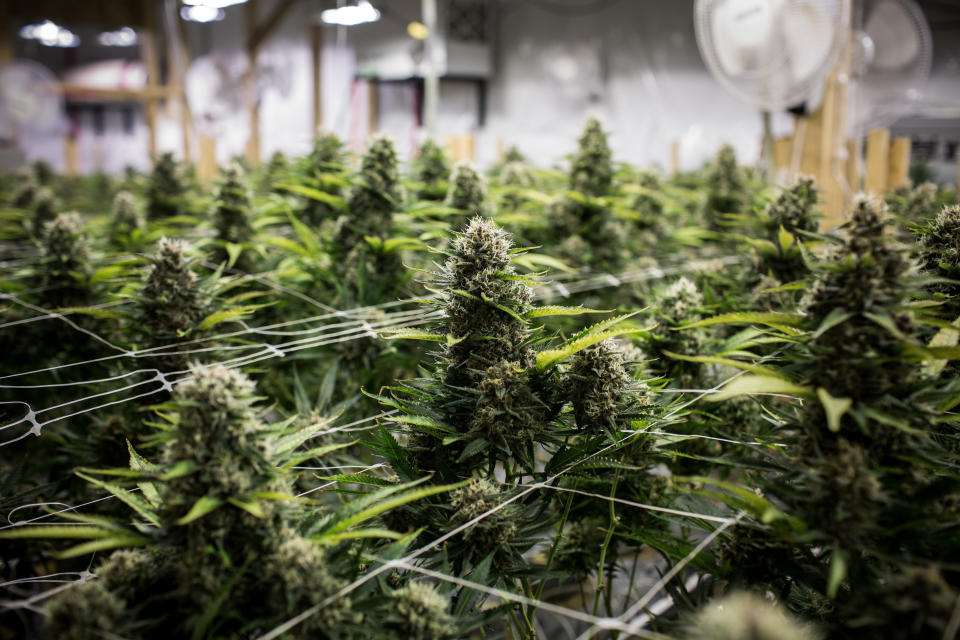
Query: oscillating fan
[
  {"x": 774, "y": 54},
  {"x": 892, "y": 53},
  {"x": 31, "y": 99}
]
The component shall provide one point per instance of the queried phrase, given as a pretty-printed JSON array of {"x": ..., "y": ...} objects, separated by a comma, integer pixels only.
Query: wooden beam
[
  {"x": 70, "y": 151},
  {"x": 899, "y": 175},
  {"x": 207, "y": 162},
  {"x": 257, "y": 35},
  {"x": 188, "y": 131},
  {"x": 674, "y": 158},
  {"x": 878, "y": 161},
  {"x": 107, "y": 93},
  {"x": 316, "y": 53}
]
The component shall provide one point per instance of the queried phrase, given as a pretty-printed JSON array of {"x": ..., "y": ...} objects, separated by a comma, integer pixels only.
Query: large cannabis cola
[
  {"x": 166, "y": 191},
  {"x": 64, "y": 267},
  {"x": 432, "y": 168},
  {"x": 232, "y": 217}
]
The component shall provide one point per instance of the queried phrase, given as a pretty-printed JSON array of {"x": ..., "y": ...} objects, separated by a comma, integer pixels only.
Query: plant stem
[{"x": 606, "y": 544}]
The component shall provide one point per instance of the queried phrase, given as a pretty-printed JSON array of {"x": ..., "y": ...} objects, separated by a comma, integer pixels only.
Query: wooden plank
[
  {"x": 70, "y": 152},
  {"x": 878, "y": 161},
  {"x": 188, "y": 130},
  {"x": 899, "y": 175},
  {"x": 674, "y": 158},
  {"x": 316, "y": 54}
]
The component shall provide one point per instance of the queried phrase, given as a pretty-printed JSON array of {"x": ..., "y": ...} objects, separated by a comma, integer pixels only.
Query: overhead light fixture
[
  {"x": 418, "y": 30},
  {"x": 351, "y": 15},
  {"x": 216, "y": 4},
  {"x": 50, "y": 34},
  {"x": 201, "y": 13},
  {"x": 125, "y": 37}
]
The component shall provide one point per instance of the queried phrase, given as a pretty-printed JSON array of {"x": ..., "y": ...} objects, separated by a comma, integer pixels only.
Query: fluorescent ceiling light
[
  {"x": 216, "y": 4},
  {"x": 351, "y": 14},
  {"x": 201, "y": 13},
  {"x": 125, "y": 37},
  {"x": 50, "y": 34}
]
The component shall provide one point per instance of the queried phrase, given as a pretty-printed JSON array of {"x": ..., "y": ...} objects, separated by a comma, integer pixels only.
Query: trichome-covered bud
[
  {"x": 65, "y": 261},
  {"x": 467, "y": 188},
  {"x": 592, "y": 170},
  {"x": 45, "y": 206},
  {"x": 166, "y": 191},
  {"x": 232, "y": 214},
  {"x": 794, "y": 209},
  {"x": 126, "y": 215},
  {"x": 431, "y": 167},
  {"x": 506, "y": 408},
  {"x": 940, "y": 250},
  {"x": 725, "y": 186},
  {"x": 600, "y": 387},
  {"x": 327, "y": 151},
  {"x": 171, "y": 299},
  {"x": 480, "y": 497},
  {"x": 421, "y": 612},
  {"x": 915, "y": 203},
  {"x": 84, "y": 611},
  {"x": 26, "y": 189},
  {"x": 746, "y": 616},
  {"x": 480, "y": 268}
]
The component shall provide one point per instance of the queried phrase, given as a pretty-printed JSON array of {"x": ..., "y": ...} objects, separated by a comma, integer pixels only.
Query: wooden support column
[
  {"x": 148, "y": 51},
  {"x": 188, "y": 131},
  {"x": 878, "y": 161},
  {"x": 207, "y": 162},
  {"x": 316, "y": 51},
  {"x": 70, "y": 151},
  {"x": 854, "y": 156},
  {"x": 899, "y": 175},
  {"x": 674, "y": 158}
]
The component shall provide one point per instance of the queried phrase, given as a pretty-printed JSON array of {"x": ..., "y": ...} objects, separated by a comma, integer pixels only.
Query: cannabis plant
[
  {"x": 431, "y": 169},
  {"x": 788, "y": 222},
  {"x": 126, "y": 218},
  {"x": 865, "y": 454},
  {"x": 63, "y": 271},
  {"x": 939, "y": 257},
  {"x": 166, "y": 191},
  {"x": 591, "y": 171},
  {"x": 467, "y": 192},
  {"x": 232, "y": 219},
  {"x": 726, "y": 188}
]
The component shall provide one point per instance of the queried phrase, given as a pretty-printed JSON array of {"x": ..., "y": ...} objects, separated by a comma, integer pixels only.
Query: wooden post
[
  {"x": 854, "y": 154},
  {"x": 186, "y": 116},
  {"x": 148, "y": 50},
  {"x": 782, "y": 151},
  {"x": 674, "y": 158},
  {"x": 899, "y": 175},
  {"x": 207, "y": 163},
  {"x": 316, "y": 50},
  {"x": 878, "y": 161},
  {"x": 70, "y": 150}
]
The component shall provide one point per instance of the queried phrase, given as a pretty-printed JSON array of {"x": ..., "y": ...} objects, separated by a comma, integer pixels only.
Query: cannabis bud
[
  {"x": 467, "y": 188},
  {"x": 940, "y": 250},
  {"x": 506, "y": 407},
  {"x": 232, "y": 215},
  {"x": 45, "y": 207},
  {"x": 725, "y": 185},
  {"x": 166, "y": 190},
  {"x": 126, "y": 213},
  {"x": 26, "y": 190},
  {"x": 480, "y": 268},
  {"x": 793, "y": 210},
  {"x": 422, "y": 612},
  {"x": 599, "y": 387},
  {"x": 592, "y": 171},
  {"x": 327, "y": 151},
  {"x": 65, "y": 257},
  {"x": 376, "y": 195},
  {"x": 171, "y": 301},
  {"x": 746, "y": 616},
  {"x": 475, "y": 499},
  {"x": 431, "y": 167}
]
